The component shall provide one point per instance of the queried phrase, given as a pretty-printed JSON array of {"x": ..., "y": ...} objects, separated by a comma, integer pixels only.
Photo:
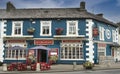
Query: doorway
[{"x": 42, "y": 55}]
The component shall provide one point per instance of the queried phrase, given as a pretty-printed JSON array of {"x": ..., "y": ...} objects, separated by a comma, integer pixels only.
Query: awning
[
  {"x": 115, "y": 45},
  {"x": 40, "y": 47},
  {"x": 16, "y": 48}
]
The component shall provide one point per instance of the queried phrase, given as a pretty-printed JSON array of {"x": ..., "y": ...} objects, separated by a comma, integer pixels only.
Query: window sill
[
  {"x": 15, "y": 59},
  {"x": 72, "y": 59}
]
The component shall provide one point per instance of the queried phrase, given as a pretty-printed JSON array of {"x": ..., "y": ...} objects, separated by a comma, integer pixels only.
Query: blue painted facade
[{"x": 62, "y": 24}]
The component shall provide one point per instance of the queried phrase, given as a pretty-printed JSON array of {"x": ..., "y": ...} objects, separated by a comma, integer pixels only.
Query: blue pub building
[{"x": 72, "y": 34}]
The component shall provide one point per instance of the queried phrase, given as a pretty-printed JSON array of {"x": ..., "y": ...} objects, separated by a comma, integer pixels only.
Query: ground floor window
[
  {"x": 15, "y": 54},
  {"x": 71, "y": 51},
  {"x": 101, "y": 52}
]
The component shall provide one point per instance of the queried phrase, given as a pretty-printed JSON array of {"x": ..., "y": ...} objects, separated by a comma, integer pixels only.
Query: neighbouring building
[{"x": 73, "y": 34}]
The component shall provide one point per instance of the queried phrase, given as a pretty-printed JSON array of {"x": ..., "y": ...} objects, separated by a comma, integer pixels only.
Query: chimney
[
  {"x": 82, "y": 6},
  {"x": 100, "y": 15},
  {"x": 10, "y": 6}
]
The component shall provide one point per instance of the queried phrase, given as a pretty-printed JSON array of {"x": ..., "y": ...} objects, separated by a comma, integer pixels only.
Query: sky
[{"x": 110, "y": 8}]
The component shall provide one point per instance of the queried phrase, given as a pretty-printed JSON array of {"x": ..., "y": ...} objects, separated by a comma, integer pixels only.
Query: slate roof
[{"x": 44, "y": 13}]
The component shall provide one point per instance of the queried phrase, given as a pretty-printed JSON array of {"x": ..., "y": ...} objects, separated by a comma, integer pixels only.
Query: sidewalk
[{"x": 66, "y": 68}]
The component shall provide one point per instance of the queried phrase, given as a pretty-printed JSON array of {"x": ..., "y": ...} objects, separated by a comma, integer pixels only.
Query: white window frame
[
  {"x": 9, "y": 56},
  {"x": 102, "y": 50},
  {"x": 13, "y": 28},
  {"x": 68, "y": 29},
  {"x": 41, "y": 28},
  {"x": 68, "y": 47},
  {"x": 101, "y": 31}
]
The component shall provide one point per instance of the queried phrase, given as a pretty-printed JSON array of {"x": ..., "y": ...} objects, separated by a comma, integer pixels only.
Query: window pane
[
  {"x": 72, "y": 28},
  {"x": 17, "y": 29},
  {"x": 72, "y": 51}
]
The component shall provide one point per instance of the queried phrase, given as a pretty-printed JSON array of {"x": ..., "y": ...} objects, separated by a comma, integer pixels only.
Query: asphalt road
[{"x": 114, "y": 71}]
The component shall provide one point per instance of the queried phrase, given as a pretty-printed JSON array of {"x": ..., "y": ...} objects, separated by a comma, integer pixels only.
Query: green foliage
[
  {"x": 53, "y": 58},
  {"x": 1, "y": 63},
  {"x": 88, "y": 65}
]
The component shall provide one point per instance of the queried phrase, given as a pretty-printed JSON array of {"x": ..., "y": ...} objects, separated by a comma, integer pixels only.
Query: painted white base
[
  {"x": 117, "y": 54},
  {"x": 4, "y": 67},
  {"x": 38, "y": 67},
  {"x": 1, "y": 50}
]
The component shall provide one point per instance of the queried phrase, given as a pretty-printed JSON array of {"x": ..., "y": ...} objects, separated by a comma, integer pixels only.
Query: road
[{"x": 114, "y": 71}]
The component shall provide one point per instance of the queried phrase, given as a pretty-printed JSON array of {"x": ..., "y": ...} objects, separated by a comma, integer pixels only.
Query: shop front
[{"x": 38, "y": 54}]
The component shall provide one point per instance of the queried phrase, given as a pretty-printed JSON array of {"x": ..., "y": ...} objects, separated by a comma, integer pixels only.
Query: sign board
[
  {"x": 53, "y": 51},
  {"x": 43, "y": 42}
]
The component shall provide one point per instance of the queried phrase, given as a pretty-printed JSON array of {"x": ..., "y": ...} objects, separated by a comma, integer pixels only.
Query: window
[
  {"x": 72, "y": 27},
  {"x": 101, "y": 49},
  {"x": 13, "y": 54},
  {"x": 101, "y": 30},
  {"x": 45, "y": 28},
  {"x": 71, "y": 51},
  {"x": 17, "y": 28},
  {"x": 101, "y": 52}
]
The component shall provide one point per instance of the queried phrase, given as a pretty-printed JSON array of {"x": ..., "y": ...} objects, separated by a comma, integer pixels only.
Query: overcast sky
[{"x": 110, "y": 8}]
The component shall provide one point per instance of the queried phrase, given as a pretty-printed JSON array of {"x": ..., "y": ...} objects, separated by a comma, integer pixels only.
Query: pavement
[{"x": 68, "y": 68}]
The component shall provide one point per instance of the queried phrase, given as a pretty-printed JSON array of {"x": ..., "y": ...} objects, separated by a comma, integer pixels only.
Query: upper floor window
[
  {"x": 101, "y": 30},
  {"x": 45, "y": 28},
  {"x": 17, "y": 28},
  {"x": 72, "y": 27}
]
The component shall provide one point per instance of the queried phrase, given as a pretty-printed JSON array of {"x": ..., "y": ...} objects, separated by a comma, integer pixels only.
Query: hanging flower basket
[
  {"x": 31, "y": 30},
  {"x": 95, "y": 31},
  {"x": 59, "y": 31}
]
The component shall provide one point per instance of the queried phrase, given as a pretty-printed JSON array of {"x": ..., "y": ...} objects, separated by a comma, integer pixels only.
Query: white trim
[
  {"x": 41, "y": 28},
  {"x": 90, "y": 41},
  {"x": 43, "y": 38},
  {"x": 71, "y": 59},
  {"x": 15, "y": 59},
  {"x": 101, "y": 31},
  {"x": 117, "y": 34},
  {"x": 76, "y": 26},
  {"x": 19, "y": 36},
  {"x": 69, "y": 36},
  {"x": 103, "y": 42},
  {"x": 13, "y": 28},
  {"x": 114, "y": 35}
]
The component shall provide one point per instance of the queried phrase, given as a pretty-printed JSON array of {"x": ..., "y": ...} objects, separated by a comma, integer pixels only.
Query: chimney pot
[
  {"x": 82, "y": 6},
  {"x": 100, "y": 15},
  {"x": 10, "y": 6}
]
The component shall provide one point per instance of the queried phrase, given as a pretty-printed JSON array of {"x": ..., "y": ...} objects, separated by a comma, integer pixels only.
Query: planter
[
  {"x": 59, "y": 31},
  {"x": 30, "y": 30},
  {"x": 95, "y": 31},
  {"x": 88, "y": 65},
  {"x": 53, "y": 59}
]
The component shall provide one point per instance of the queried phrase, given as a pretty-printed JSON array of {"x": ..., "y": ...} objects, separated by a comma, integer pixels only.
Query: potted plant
[
  {"x": 31, "y": 30},
  {"x": 59, "y": 31},
  {"x": 88, "y": 65},
  {"x": 53, "y": 58}
]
